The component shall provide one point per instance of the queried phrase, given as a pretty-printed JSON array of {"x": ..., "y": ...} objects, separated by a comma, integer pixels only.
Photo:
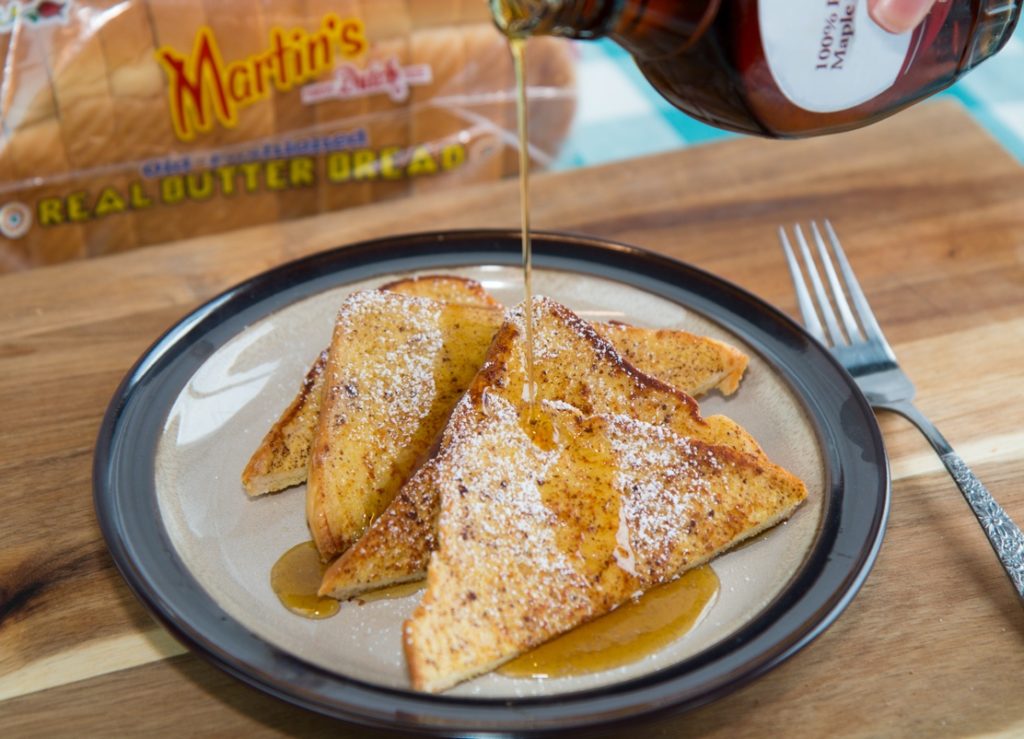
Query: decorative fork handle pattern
[
  {"x": 1006, "y": 538},
  {"x": 1003, "y": 534}
]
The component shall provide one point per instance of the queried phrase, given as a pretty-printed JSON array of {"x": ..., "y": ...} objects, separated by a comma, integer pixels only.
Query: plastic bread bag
[{"x": 139, "y": 122}]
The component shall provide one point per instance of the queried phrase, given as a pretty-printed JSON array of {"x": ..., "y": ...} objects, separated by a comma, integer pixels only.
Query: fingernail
[{"x": 899, "y": 16}]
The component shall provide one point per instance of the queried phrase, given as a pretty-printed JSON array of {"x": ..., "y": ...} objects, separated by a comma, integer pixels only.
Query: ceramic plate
[{"x": 198, "y": 552}]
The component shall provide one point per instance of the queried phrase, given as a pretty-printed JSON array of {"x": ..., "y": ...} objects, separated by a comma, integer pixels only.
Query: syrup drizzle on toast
[{"x": 518, "y": 48}]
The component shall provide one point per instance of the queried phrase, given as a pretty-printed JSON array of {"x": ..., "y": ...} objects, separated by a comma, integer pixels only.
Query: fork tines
[{"x": 831, "y": 333}]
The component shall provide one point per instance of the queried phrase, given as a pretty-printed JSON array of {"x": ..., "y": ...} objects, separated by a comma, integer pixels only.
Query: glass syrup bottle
[{"x": 778, "y": 68}]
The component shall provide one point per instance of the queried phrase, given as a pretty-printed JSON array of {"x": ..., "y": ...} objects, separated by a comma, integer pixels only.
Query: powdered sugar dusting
[
  {"x": 398, "y": 381},
  {"x": 376, "y": 419},
  {"x": 664, "y": 482},
  {"x": 498, "y": 438},
  {"x": 491, "y": 502}
]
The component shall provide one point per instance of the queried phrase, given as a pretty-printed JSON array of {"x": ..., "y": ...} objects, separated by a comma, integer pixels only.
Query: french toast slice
[
  {"x": 694, "y": 364},
  {"x": 397, "y": 546},
  {"x": 395, "y": 369},
  {"x": 282, "y": 458},
  {"x": 551, "y": 518},
  {"x": 535, "y": 542}
]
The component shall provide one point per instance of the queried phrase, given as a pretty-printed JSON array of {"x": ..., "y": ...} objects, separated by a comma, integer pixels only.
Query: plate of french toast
[{"x": 378, "y": 483}]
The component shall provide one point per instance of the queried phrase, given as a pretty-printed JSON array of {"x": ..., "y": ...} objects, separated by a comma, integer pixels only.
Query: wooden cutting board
[{"x": 932, "y": 214}]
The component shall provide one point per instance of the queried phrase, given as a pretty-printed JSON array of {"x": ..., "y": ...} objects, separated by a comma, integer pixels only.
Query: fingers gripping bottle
[{"x": 778, "y": 68}]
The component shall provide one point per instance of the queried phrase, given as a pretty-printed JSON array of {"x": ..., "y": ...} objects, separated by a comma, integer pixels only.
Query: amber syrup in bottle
[{"x": 778, "y": 68}]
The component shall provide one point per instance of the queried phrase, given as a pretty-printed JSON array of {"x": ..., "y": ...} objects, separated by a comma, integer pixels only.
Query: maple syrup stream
[{"x": 518, "y": 48}]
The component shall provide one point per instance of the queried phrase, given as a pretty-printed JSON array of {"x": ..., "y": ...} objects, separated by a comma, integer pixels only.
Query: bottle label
[{"x": 829, "y": 55}]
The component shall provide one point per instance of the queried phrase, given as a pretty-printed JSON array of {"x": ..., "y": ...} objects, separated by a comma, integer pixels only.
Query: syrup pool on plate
[
  {"x": 295, "y": 579},
  {"x": 631, "y": 632}
]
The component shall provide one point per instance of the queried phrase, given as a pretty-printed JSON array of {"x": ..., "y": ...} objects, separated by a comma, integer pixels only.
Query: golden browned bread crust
[
  {"x": 395, "y": 369},
  {"x": 548, "y": 521},
  {"x": 397, "y": 547},
  {"x": 282, "y": 458},
  {"x": 444, "y": 288},
  {"x": 693, "y": 364}
]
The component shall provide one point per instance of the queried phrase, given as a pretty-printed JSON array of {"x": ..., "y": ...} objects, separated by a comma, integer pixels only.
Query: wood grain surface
[{"x": 932, "y": 214}]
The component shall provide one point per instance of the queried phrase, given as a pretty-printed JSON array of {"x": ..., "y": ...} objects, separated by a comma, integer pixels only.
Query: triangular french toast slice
[
  {"x": 694, "y": 364},
  {"x": 553, "y": 516},
  {"x": 395, "y": 369},
  {"x": 397, "y": 546},
  {"x": 282, "y": 458}
]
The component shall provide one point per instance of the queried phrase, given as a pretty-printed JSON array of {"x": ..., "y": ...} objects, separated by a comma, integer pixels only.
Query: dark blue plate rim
[{"x": 855, "y": 510}]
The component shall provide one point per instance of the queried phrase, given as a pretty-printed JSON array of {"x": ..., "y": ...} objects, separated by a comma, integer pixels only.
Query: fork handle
[{"x": 1003, "y": 534}]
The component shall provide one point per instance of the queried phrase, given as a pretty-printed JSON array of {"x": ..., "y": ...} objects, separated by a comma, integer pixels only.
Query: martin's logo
[
  {"x": 33, "y": 13},
  {"x": 202, "y": 89}
]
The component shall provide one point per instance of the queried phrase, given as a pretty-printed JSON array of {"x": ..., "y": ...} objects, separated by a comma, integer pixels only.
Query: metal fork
[{"x": 860, "y": 346}]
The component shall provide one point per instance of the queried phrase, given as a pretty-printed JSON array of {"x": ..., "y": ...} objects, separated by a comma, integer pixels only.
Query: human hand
[{"x": 899, "y": 15}]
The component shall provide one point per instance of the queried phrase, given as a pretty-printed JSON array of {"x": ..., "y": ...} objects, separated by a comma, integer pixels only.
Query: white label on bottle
[{"x": 828, "y": 55}]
